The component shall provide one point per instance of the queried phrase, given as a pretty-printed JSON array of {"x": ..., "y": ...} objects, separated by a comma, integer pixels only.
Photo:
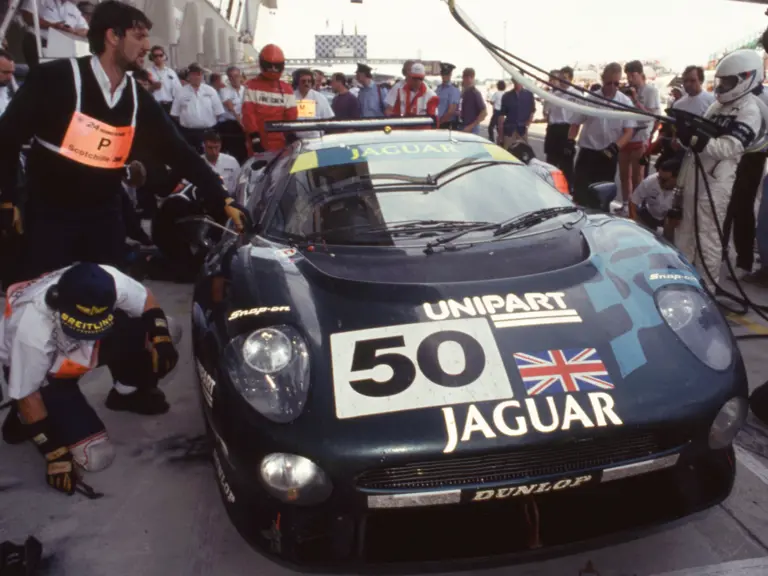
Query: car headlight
[
  {"x": 698, "y": 323},
  {"x": 727, "y": 423},
  {"x": 294, "y": 479},
  {"x": 270, "y": 368}
]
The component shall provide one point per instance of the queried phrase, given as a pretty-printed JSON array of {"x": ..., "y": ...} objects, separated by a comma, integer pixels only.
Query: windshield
[{"x": 358, "y": 195}]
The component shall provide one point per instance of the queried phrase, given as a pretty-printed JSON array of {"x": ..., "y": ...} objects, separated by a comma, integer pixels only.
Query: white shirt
[
  {"x": 323, "y": 111},
  {"x": 56, "y": 11},
  {"x": 6, "y": 93},
  {"x": 228, "y": 168},
  {"x": 657, "y": 200},
  {"x": 599, "y": 133},
  {"x": 31, "y": 341},
  {"x": 170, "y": 85},
  {"x": 648, "y": 96},
  {"x": 558, "y": 114},
  {"x": 236, "y": 97},
  {"x": 197, "y": 109},
  {"x": 111, "y": 98},
  {"x": 496, "y": 100},
  {"x": 698, "y": 104}
]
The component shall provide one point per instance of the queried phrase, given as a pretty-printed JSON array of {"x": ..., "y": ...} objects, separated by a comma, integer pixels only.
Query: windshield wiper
[
  {"x": 406, "y": 225},
  {"x": 473, "y": 161},
  {"x": 520, "y": 222}
]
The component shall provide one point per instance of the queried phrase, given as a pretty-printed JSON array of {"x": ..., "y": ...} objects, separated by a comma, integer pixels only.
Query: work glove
[
  {"x": 237, "y": 213},
  {"x": 611, "y": 151},
  {"x": 136, "y": 174},
  {"x": 569, "y": 151},
  {"x": 164, "y": 354},
  {"x": 10, "y": 219},
  {"x": 60, "y": 470},
  {"x": 693, "y": 139}
]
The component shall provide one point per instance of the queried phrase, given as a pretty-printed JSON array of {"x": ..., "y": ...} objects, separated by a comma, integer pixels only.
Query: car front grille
[{"x": 520, "y": 463}]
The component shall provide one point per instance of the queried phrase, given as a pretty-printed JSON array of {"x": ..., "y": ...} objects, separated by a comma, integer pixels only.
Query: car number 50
[{"x": 406, "y": 367}]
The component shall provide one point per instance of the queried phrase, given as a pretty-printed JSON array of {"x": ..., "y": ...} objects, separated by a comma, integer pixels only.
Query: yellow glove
[
  {"x": 10, "y": 219},
  {"x": 236, "y": 213}
]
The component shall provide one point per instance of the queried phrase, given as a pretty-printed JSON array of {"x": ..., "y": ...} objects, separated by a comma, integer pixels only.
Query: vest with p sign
[{"x": 92, "y": 142}]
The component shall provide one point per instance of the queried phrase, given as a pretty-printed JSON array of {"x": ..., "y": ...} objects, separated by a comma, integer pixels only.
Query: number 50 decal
[{"x": 414, "y": 366}]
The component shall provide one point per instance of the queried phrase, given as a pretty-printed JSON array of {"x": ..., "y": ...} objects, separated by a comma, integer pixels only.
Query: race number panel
[{"x": 414, "y": 366}]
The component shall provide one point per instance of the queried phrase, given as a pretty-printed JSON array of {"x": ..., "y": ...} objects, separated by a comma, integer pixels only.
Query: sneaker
[{"x": 148, "y": 402}]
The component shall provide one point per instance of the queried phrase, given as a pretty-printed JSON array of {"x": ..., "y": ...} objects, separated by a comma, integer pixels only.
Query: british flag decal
[{"x": 561, "y": 371}]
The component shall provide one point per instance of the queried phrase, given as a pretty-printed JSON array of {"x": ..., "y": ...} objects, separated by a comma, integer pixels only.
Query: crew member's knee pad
[{"x": 94, "y": 453}]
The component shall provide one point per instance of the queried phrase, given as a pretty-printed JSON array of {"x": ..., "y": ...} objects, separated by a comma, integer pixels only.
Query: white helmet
[{"x": 737, "y": 74}]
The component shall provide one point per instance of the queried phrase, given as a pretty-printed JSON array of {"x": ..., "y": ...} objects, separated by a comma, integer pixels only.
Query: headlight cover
[
  {"x": 270, "y": 369},
  {"x": 698, "y": 323},
  {"x": 294, "y": 479}
]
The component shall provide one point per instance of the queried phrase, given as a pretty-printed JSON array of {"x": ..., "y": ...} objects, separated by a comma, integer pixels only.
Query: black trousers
[
  {"x": 740, "y": 216},
  {"x": 492, "y": 125},
  {"x": 233, "y": 140},
  {"x": 57, "y": 237},
  {"x": 555, "y": 145},
  {"x": 592, "y": 166}
]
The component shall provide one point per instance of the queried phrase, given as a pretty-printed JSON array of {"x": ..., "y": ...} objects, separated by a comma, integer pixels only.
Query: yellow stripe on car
[
  {"x": 305, "y": 161},
  {"x": 498, "y": 153}
]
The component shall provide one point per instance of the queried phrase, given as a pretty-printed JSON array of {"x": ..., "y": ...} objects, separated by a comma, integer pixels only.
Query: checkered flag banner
[{"x": 341, "y": 46}]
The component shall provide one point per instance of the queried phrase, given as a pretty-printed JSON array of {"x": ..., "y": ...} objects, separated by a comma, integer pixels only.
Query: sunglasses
[
  {"x": 276, "y": 67},
  {"x": 158, "y": 55}
]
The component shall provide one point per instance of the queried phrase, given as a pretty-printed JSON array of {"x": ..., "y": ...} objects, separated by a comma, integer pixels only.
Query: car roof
[{"x": 384, "y": 137}]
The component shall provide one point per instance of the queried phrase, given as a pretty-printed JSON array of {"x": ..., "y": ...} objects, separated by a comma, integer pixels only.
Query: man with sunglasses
[
  {"x": 600, "y": 141},
  {"x": 268, "y": 99},
  {"x": 165, "y": 84}
]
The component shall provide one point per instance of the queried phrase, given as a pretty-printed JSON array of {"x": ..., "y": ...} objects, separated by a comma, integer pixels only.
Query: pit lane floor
[{"x": 162, "y": 514}]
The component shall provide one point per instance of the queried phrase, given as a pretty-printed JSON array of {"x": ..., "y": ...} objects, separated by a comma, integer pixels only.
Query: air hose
[{"x": 612, "y": 109}]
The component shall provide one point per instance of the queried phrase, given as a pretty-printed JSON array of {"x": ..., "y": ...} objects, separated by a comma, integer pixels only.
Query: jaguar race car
[{"x": 424, "y": 351}]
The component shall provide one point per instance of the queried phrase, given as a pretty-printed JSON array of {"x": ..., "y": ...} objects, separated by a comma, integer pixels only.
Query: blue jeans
[{"x": 762, "y": 226}]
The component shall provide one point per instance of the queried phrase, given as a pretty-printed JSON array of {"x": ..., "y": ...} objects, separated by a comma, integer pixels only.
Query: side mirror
[{"x": 605, "y": 193}]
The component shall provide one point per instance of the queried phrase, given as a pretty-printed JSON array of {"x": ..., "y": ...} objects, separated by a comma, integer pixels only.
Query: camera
[{"x": 626, "y": 90}]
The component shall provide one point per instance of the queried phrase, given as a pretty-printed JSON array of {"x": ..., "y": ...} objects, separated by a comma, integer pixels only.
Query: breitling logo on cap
[{"x": 86, "y": 297}]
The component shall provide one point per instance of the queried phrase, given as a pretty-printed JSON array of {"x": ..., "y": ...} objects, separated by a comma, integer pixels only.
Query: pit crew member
[
  {"x": 268, "y": 99},
  {"x": 738, "y": 116},
  {"x": 57, "y": 328},
  {"x": 413, "y": 97}
]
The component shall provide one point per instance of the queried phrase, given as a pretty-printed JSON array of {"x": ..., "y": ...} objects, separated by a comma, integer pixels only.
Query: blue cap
[{"x": 86, "y": 301}]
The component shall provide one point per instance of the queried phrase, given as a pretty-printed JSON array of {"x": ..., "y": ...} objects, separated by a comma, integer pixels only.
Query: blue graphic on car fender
[{"x": 624, "y": 255}]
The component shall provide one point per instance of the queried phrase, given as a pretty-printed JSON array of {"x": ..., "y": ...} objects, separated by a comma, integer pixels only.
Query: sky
[{"x": 548, "y": 33}]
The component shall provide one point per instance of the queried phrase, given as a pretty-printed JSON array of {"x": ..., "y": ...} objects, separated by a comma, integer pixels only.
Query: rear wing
[{"x": 366, "y": 124}]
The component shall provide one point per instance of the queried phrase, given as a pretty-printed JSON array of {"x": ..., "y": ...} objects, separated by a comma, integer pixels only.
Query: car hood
[{"x": 415, "y": 355}]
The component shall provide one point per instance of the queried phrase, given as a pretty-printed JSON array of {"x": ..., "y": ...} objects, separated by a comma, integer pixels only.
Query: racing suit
[
  {"x": 405, "y": 103},
  {"x": 267, "y": 101},
  {"x": 741, "y": 123}
]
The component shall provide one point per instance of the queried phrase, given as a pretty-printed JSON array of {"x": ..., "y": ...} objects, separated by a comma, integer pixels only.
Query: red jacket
[{"x": 268, "y": 101}]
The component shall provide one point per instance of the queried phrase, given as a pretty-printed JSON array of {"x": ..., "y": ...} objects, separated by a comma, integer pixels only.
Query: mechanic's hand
[
  {"x": 237, "y": 213},
  {"x": 10, "y": 219},
  {"x": 611, "y": 151},
  {"x": 164, "y": 354},
  {"x": 137, "y": 174},
  {"x": 60, "y": 471},
  {"x": 569, "y": 151}
]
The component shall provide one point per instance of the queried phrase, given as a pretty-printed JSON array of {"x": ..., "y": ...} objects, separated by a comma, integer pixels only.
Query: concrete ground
[{"x": 162, "y": 515}]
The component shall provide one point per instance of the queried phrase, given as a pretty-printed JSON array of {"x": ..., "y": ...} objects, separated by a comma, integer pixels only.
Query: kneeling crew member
[{"x": 56, "y": 329}]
